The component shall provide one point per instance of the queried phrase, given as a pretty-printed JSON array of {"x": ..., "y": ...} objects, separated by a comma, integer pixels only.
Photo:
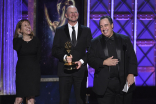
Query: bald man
[{"x": 80, "y": 37}]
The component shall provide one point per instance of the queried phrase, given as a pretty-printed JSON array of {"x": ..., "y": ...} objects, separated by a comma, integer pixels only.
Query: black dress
[{"x": 27, "y": 68}]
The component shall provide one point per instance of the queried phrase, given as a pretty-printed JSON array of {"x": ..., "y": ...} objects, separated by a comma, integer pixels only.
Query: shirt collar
[
  {"x": 111, "y": 38},
  {"x": 73, "y": 26}
]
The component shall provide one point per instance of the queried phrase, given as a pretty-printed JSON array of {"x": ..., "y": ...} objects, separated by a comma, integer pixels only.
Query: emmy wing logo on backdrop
[{"x": 61, "y": 7}]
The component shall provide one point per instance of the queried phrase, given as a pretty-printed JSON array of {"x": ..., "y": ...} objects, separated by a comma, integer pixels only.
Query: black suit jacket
[
  {"x": 78, "y": 52},
  {"x": 125, "y": 54}
]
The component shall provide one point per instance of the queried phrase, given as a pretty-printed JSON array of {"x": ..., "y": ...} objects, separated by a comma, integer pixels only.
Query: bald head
[
  {"x": 72, "y": 15},
  {"x": 71, "y": 6}
]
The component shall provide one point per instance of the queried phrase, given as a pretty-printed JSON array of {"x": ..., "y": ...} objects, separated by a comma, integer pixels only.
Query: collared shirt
[
  {"x": 71, "y": 30},
  {"x": 110, "y": 43},
  {"x": 70, "y": 33}
]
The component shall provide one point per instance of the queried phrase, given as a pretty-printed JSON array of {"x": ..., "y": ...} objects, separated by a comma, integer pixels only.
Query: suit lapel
[
  {"x": 104, "y": 46},
  {"x": 118, "y": 46},
  {"x": 79, "y": 32},
  {"x": 118, "y": 49},
  {"x": 67, "y": 31}
]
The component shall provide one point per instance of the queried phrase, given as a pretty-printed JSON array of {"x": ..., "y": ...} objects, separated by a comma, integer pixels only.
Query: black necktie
[{"x": 73, "y": 37}]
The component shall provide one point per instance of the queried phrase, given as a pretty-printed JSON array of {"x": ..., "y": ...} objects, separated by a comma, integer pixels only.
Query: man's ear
[{"x": 112, "y": 25}]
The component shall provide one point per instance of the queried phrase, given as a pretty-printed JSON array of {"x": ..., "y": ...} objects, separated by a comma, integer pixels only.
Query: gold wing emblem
[{"x": 61, "y": 7}]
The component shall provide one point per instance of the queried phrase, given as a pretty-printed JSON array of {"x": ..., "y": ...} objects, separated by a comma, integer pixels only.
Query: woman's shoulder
[{"x": 16, "y": 39}]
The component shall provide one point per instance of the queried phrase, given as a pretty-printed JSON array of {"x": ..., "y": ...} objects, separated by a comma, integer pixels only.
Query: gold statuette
[{"x": 69, "y": 65}]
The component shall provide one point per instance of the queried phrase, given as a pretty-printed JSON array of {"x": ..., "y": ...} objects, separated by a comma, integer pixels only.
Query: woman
[{"x": 27, "y": 68}]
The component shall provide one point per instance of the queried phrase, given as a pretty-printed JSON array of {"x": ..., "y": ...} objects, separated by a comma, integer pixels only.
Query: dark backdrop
[{"x": 46, "y": 35}]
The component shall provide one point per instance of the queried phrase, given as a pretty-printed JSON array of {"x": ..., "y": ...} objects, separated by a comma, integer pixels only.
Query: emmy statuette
[{"x": 69, "y": 65}]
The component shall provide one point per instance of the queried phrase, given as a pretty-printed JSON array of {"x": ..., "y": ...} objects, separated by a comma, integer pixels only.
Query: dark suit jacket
[
  {"x": 78, "y": 52},
  {"x": 125, "y": 54}
]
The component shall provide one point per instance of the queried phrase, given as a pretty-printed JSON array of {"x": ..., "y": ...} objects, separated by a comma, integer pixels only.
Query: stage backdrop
[
  {"x": 136, "y": 19},
  {"x": 11, "y": 13},
  {"x": 49, "y": 16}
]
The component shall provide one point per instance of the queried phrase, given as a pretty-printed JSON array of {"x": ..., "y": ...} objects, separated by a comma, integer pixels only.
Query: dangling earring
[{"x": 20, "y": 35}]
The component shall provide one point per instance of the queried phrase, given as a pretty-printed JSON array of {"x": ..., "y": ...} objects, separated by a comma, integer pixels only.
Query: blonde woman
[{"x": 28, "y": 51}]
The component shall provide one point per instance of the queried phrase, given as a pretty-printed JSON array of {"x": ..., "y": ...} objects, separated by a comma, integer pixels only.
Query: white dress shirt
[
  {"x": 76, "y": 33},
  {"x": 71, "y": 30}
]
